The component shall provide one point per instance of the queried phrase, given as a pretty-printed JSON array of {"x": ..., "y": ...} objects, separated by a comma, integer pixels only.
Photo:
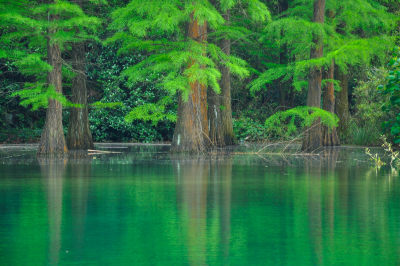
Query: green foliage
[
  {"x": 109, "y": 124},
  {"x": 291, "y": 122},
  {"x": 375, "y": 158},
  {"x": 17, "y": 124},
  {"x": 247, "y": 129},
  {"x": 366, "y": 122},
  {"x": 282, "y": 125},
  {"x": 20, "y": 135},
  {"x": 159, "y": 28},
  {"x": 26, "y": 27},
  {"x": 391, "y": 153},
  {"x": 100, "y": 104},
  {"x": 133, "y": 91},
  {"x": 364, "y": 134},
  {"x": 391, "y": 156},
  {"x": 392, "y": 89},
  {"x": 152, "y": 112},
  {"x": 37, "y": 96},
  {"x": 350, "y": 35}
]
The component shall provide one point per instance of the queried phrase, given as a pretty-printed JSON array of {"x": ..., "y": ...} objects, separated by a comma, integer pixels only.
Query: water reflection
[
  {"x": 52, "y": 170},
  {"x": 192, "y": 181},
  {"x": 321, "y": 195},
  {"x": 79, "y": 173},
  {"x": 125, "y": 209},
  {"x": 204, "y": 200},
  {"x": 221, "y": 174}
]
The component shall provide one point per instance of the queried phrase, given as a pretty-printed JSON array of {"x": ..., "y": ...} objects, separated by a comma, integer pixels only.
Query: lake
[{"x": 143, "y": 206}]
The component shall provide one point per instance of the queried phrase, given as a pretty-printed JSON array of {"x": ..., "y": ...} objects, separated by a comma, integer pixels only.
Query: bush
[
  {"x": 107, "y": 85},
  {"x": 366, "y": 123},
  {"x": 20, "y": 135},
  {"x": 365, "y": 134},
  {"x": 247, "y": 129},
  {"x": 392, "y": 105}
]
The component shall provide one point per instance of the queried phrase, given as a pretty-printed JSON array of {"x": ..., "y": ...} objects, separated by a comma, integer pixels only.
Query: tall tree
[
  {"x": 52, "y": 139},
  {"x": 35, "y": 35},
  {"x": 312, "y": 137},
  {"x": 235, "y": 28},
  {"x": 342, "y": 101},
  {"x": 79, "y": 136},
  {"x": 179, "y": 60},
  {"x": 191, "y": 130},
  {"x": 362, "y": 37},
  {"x": 219, "y": 106},
  {"x": 329, "y": 135},
  {"x": 350, "y": 39}
]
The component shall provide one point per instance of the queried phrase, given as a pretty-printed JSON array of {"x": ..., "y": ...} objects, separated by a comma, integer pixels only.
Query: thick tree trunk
[
  {"x": 342, "y": 103},
  {"x": 52, "y": 140},
  {"x": 220, "y": 107},
  {"x": 191, "y": 131},
  {"x": 313, "y": 136},
  {"x": 79, "y": 136},
  {"x": 329, "y": 136}
]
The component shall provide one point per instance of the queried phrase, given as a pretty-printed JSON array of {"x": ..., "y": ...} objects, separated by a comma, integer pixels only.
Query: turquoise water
[{"x": 143, "y": 206}]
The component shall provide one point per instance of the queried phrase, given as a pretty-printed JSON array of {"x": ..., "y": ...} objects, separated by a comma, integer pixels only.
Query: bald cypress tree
[
  {"x": 79, "y": 136},
  {"x": 329, "y": 135},
  {"x": 313, "y": 136},
  {"x": 350, "y": 39},
  {"x": 234, "y": 29},
  {"x": 35, "y": 34},
  {"x": 180, "y": 59}
]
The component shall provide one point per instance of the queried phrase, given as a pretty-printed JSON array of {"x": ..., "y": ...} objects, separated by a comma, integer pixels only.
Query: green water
[{"x": 145, "y": 207}]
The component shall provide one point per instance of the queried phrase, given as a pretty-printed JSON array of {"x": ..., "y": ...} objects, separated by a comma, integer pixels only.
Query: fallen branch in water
[{"x": 91, "y": 152}]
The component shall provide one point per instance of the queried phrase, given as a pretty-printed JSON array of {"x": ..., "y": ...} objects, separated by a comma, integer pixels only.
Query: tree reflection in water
[
  {"x": 204, "y": 201},
  {"x": 217, "y": 209},
  {"x": 53, "y": 170}
]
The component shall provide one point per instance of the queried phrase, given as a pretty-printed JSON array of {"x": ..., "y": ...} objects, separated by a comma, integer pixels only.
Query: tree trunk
[
  {"x": 342, "y": 103},
  {"x": 79, "y": 136},
  {"x": 52, "y": 140},
  {"x": 220, "y": 107},
  {"x": 313, "y": 136},
  {"x": 329, "y": 136},
  {"x": 191, "y": 131}
]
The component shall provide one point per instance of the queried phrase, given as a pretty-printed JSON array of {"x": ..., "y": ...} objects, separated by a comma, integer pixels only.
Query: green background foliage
[
  {"x": 146, "y": 60},
  {"x": 392, "y": 89}
]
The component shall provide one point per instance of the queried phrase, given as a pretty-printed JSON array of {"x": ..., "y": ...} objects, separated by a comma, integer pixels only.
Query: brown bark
[
  {"x": 342, "y": 103},
  {"x": 52, "y": 140},
  {"x": 79, "y": 136},
  {"x": 313, "y": 136},
  {"x": 220, "y": 107},
  {"x": 191, "y": 131},
  {"x": 329, "y": 136}
]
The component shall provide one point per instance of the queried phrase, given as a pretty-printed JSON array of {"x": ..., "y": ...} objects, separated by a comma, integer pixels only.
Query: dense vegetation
[{"x": 199, "y": 73}]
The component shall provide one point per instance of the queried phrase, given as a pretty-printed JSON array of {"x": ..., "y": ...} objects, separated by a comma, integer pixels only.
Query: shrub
[
  {"x": 247, "y": 129},
  {"x": 392, "y": 105},
  {"x": 366, "y": 123}
]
